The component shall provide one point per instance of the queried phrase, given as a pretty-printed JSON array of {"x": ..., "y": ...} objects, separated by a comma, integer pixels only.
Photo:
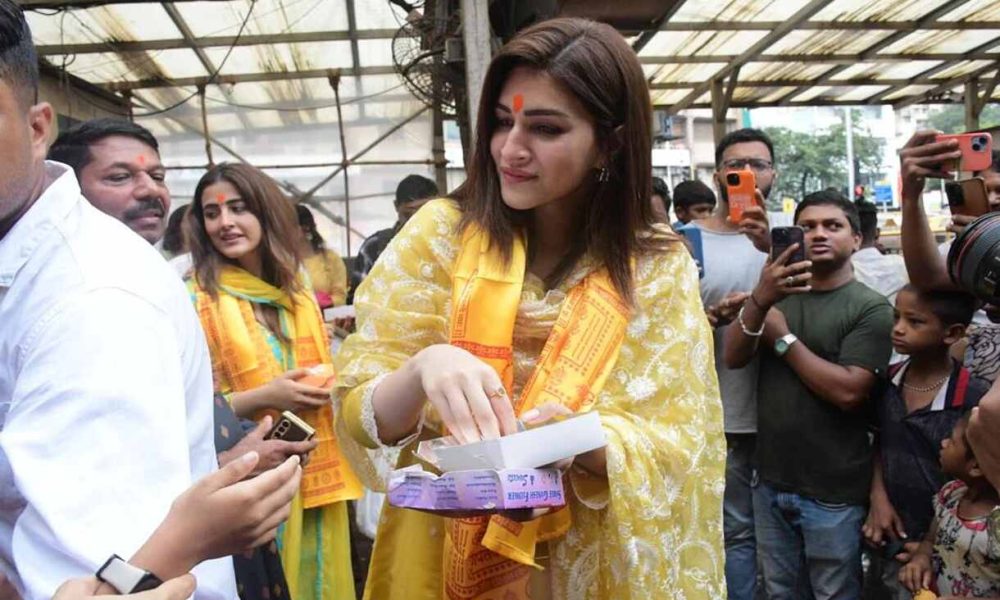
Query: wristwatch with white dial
[
  {"x": 782, "y": 344},
  {"x": 126, "y": 578}
]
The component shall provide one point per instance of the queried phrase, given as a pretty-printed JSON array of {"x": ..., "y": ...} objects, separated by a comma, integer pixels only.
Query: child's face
[
  {"x": 954, "y": 455},
  {"x": 916, "y": 328}
]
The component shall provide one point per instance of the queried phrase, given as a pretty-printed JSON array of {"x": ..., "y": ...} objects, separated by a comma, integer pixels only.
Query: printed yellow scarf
[
  {"x": 488, "y": 558},
  {"x": 247, "y": 362}
]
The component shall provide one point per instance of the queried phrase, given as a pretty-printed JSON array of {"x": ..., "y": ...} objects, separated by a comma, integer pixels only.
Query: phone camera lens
[{"x": 733, "y": 178}]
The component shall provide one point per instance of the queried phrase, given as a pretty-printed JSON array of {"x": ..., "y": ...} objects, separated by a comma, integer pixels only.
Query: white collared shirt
[{"x": 105, "y": 395}]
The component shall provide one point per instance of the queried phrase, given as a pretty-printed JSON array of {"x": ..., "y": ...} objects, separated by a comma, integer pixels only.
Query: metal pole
[
  {"x": 335, "y": 83},
  {"x": 972, "y": 104},
  {"x": 849, "y": 134},
  {"x": 204, "y": 127},
  {"x": 364, "y": 151},
  {"x": 476, "y": 34}
]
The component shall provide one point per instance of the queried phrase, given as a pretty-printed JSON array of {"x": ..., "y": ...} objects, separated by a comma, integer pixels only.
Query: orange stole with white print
[
  {"x": 243, "y": 358},
  {"x": 491, "y": 558}
]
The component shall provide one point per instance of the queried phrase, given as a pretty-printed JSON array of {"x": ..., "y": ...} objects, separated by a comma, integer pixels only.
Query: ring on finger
[
  {"x": 498, "y": 393},
  {"x": 790, "y": 280}
]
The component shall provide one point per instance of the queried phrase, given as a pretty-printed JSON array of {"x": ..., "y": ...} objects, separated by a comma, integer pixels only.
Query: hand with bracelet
[{"x": 777, "y": 281}]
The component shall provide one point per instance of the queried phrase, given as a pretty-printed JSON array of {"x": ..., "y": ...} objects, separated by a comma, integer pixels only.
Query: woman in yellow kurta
[
  {"x": 264, "y": 330},
  {"x": 327, "y": 271},
  {"x": 546, "y": 287}
]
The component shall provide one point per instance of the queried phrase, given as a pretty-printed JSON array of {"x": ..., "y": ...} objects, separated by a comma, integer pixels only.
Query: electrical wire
[
  {"x": 212, "y": 77},
  {"x": 301, "y": 108}
]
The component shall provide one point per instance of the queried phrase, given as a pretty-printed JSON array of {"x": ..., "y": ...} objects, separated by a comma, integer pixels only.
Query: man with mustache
[{"x": 118, "y": 166}]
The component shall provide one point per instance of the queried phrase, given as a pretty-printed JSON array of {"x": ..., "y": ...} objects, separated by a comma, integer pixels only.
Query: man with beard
[
  {"x": 734, "y": 254},
  {"x": 823, "y": 339},
  {"x": 118, "y": 165}
]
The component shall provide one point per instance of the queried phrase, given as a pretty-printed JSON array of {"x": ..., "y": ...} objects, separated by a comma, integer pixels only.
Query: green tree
[
  {"x": 952, "y": 118},
  {"x": 809, "y": 162}
]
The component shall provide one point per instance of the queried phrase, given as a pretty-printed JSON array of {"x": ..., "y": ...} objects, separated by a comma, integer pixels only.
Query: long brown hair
[
  {"x": 280, "y": 259},
  {"x": 594, "y": 63}
]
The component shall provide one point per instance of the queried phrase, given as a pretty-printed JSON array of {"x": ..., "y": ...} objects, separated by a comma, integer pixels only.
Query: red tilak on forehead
[
  {"x": 220, "y": 197},
  {"x": 518, "y": 102},
  {"x": 141, "y": 159}
]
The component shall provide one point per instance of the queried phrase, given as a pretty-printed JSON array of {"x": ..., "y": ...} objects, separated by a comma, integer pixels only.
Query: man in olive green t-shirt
[{"x": 824, "y": 339}]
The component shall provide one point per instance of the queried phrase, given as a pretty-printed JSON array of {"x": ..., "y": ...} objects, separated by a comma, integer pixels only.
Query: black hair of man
[
  {"x": 18, "y": 60},
  {"x": 415, "y": 187},
  {"x": 868, "y": 217},
  {"x": 952, "y": 307},
  {"x": 742, "y": 136},
  {"x": 72, "y": 147},
  {"x": 831, "y": 198},
  {"x": 660, "y": 189},
  {"x": 692, "y": 192}
]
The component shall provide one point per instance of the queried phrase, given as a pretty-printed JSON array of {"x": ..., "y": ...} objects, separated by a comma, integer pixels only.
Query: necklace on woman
[{"x": 929, "y": 388}]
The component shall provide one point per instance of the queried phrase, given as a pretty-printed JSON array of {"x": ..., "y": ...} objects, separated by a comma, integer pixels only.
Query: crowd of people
[{"x": 815, "y": 421}]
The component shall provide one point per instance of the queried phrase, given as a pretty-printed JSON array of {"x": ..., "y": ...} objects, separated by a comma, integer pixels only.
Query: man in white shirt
[
  {"x": 884, "y": 273},
  {"x": 105, "y": 380}
]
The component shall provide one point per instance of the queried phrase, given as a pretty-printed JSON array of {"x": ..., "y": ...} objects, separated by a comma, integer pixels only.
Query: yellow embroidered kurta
[
  {"x": 328, "y": 274},
  {"x": 654, "y": 528}
]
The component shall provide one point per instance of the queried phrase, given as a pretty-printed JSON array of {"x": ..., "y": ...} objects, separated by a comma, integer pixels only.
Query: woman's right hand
[
  {"x": 916, "y": 574},
  {"x": 285, "y": 393},
  {"x": 466, "y": 392}
]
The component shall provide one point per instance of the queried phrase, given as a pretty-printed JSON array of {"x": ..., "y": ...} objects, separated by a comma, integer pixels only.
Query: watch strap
[{"x": 126, "y": 578}]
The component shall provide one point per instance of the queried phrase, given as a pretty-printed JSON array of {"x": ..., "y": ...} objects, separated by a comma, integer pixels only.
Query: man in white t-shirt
[
  {"x": 884, "y": 273},
  {"x": 734, "y": 254},
  {"x": 105, "y": 379}
]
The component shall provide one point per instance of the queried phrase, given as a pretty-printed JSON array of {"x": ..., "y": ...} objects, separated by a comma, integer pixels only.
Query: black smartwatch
[{"x": 126, "y": 578}]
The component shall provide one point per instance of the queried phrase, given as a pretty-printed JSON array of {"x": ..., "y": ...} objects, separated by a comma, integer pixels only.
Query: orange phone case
[
  {"x": 321, "y": 376},
  {"x": 976, "y": 152},
  {"x": 741, "y": 190}
]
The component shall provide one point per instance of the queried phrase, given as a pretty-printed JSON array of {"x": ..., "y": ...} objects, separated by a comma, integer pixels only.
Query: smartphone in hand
[
  {"x": 692, "y": 233},
  {"x": 291, "y": 429},
  {"x": 783, "y": 237},
  {"x": 968, "y": 197},
  {"x": 976, "y": 151},
  {"x": 741, "y": 192}
]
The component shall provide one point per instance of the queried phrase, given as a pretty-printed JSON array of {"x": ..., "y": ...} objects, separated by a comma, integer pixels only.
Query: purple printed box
[{"x": 475, "y": 491}]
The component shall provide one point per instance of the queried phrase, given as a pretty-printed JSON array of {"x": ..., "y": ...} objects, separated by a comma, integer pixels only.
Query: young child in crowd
[
  {"x": 926, "y": 396},
  {"x": 959, "y": 556}
]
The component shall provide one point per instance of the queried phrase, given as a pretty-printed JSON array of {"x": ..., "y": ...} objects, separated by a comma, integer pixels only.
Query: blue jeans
[
  {"x": 737, "y": 517},
  {"x": 808, "y": 548}
]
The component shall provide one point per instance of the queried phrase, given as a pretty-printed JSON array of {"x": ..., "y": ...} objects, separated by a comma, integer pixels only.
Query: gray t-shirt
[{"x": 732, "y": 264}]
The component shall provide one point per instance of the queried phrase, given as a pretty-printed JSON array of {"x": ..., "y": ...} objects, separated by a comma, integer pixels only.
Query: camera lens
[{"x": 733, "y": 178}]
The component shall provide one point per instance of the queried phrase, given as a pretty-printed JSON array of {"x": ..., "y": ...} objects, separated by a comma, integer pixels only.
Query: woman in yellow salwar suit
[
  {"x": 264, "y": 329},
  {"x": 542, "y": 287}
]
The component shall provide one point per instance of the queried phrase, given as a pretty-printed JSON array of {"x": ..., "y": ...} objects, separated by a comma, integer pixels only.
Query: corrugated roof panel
[
  {"x": 269, "y": 16},
  {"x": 219, "y": 123},
  {"x": 179, "y": 63},
  {"x": 886, "y": 70},
  {"x": 676, "y": 43},
  {"x": 375, "y": 53},
  {"x": 977, "y": 10},
  {"x": 264, "y": 119},
  {"x": 961, "y": 69},
  {"x": 776, "y": 94},
  {"x": 908, "y": 91},
  {"x": 97, "y": 68},
  {"x": 877, "y": 10},
  {"x": 697, "y": 73},
  {"x": 858, "y": 93},
  {"x": 754, "y": 10},
  {"x": 122, "y": 22},
  {"x": 811, "y": 93},
  {"x": 666, "y": 97},
  {"x": 378, "y": 15},
  {"x": 944, "y": 40},
  {"x": 802, "y": 41},
  {"x": 769, "y": 71},
  {"x": 282, "y": 57}
]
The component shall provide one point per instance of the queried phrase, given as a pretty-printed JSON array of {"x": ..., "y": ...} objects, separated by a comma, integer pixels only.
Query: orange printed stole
[
  {"x": 244, "y": 357},
  {"x": 491, "y": 558}
]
